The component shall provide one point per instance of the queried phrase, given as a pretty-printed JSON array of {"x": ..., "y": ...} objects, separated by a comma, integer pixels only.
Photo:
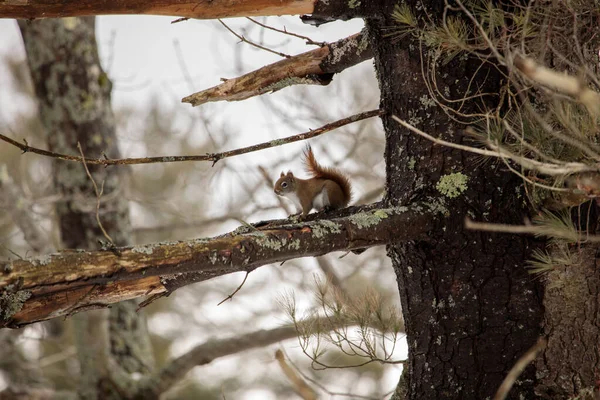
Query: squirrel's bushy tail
[{"x": 318, "y": 171}]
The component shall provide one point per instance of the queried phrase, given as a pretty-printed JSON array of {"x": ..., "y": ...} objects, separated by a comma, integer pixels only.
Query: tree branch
[
  {"x": 214, "y": 157},
  {"x": 315, "y": 67},
  {"x": 208, "y": 352},
  {"x": 190, "y": 9},
  {"x": 322, "y": 10},
  {"x": 54, "y": 285}
]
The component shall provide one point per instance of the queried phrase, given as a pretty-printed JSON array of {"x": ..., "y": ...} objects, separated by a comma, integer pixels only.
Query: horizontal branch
[
  {"x": 546, "y": 168},
  {"x": 214, "y": 157},
  {"x": 61, "y": 284},
  {"x": 208, "y": 352},
  {"x": 315, "y": 67},
  {"x": 190, "y": 9}
]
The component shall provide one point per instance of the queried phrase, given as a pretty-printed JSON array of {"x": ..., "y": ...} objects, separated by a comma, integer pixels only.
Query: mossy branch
[{"x": 75, "y": 280}]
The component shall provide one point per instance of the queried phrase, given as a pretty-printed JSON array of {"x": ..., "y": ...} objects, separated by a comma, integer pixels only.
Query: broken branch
[{"x": 314, "y": 67}]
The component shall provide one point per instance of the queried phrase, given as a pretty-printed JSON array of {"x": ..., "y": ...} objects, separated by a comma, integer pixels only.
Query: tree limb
[
  {"x": 190, "y": 9},
  {"x": 64, "y": 283},
  {"x": 314, "y": 67},
  {"x": 322, "y": 10}
]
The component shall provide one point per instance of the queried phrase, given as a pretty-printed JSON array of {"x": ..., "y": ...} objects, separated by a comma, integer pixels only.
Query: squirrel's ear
[
  {"x": 282, "y": 174},
  {"x": 290, "y": 174}
]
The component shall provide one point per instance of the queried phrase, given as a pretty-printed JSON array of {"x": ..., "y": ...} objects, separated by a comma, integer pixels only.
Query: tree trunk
[
  {"x": 470, "y": 307},
  {"x": 74, "y": 104}
]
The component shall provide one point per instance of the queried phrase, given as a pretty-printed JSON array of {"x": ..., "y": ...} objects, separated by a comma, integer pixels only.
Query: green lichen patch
[
  {"x": 366, "y": 220},
  {"x": 12, "y": 303},
  {"x": 274, "y": 244},
  {"x": 452, "y": 185},
  {"x": 286, "y": 82},
  {"x": 324, "y": 227},
  {"x": 353, "y": 3},
  {"x": 41, "y": 260},
  {"x": 146, "y": 249},
  {"x": 437, "y": 206}
]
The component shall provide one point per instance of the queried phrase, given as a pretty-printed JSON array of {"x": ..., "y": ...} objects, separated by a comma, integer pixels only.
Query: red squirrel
[{"x": 327, "y": 188}]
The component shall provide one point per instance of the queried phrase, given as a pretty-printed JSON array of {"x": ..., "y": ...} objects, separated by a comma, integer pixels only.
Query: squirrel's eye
[{"x": 284, "y": 185}]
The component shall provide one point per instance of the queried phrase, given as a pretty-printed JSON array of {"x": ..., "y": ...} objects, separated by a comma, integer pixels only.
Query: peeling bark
[
  {"x": 315, "y": 67},
  {"x": 72, "y": 281}
]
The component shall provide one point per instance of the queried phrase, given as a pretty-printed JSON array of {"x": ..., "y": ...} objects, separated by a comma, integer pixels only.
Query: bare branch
[
  {"x": 208, "y": 352},
  {"x": 539, "y": 230},
  {"x": 286, "y": 32},
  {"x": 214, "y": 157},
  {"x": 235, "y": 291},
  {"x": 565, "y": 168},
  {"x": 35, "y": 294},
  {"x": 251, "y": 43},
  {"x": 313, "y": 67},
  {"x": 561, "y": 83},
  {"x": 98, "y": 195},
  {"x": 518, "y": 368}
]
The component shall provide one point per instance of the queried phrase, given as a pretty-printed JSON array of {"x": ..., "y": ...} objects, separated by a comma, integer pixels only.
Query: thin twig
[
  {"x": 300, "y": 386},
  {"x": 499, "y": 152},
  {"x": 322, "y": 387},
  {"x": 213, "y": 157},
  {"x": 151, "y": 300},
  {"x": 286, "y": 32},
  {"x": 243, "y": 39},
  {"x": 235, "y": 291},
  {"x": 518, "y": 368},
  {"x": 98, "y": 195},
  {"x": 540, "y": 230}
]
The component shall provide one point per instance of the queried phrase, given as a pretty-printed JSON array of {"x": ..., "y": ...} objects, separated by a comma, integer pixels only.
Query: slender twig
[
  {"x": 214, "y": 157},
  {"x": 565, "y": 168},
  {"x": 518, "y": 368},
  {"x": 243, "y": 39},
  {"x": 300, "y": 386},
  {"x": 98, "y": 195},
  {"x": 322, "y": 387},
  {"x": 235, "y": 291},
  {"x": 286, "y": 32},
  {"x": 540, "y": 230}
]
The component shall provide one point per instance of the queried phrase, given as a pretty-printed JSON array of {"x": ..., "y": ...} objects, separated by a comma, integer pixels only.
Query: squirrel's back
[{"x": 320, "y": 172}]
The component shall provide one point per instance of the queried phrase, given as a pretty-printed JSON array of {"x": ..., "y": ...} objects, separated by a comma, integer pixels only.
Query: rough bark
[
  {"x": 72, "y": 281},
  {"x": 571, "y": 361},
  {"x": 73, "y": 96},
  {"x": 315, "y": 67},
  {"x": 469, "y": 306},
  {"x": 570, "y": 364}
]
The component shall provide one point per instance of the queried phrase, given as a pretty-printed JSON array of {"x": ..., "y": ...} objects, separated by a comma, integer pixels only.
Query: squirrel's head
[{"x": 285, "y": 184}]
